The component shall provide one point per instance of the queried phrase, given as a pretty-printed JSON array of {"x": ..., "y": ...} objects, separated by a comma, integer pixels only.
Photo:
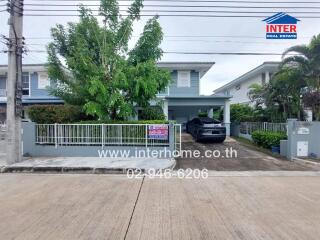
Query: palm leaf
[{"x": 300, "y": 49}]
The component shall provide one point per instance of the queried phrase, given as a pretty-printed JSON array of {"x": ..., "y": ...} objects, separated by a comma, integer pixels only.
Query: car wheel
[{"x": 196, "y": 137}]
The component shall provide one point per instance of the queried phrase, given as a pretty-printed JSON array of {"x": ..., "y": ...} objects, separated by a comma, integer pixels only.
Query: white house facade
[{"x": 238, "y": 89}]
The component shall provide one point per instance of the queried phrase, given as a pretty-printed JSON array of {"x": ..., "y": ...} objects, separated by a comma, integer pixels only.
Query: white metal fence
[
  {"x": 177, "y": 137},
  {"x": 102, "y": 134},
  {"x": 249, "y": 127}
]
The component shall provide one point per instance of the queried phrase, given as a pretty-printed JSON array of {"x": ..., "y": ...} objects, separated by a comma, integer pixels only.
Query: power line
[
  {"x": 228, "y": 53},
  {"x": 175, "y": 6},
  {"x": 168, "y": 15},
  {"x": 189, "y": 36},
  {"x": 193, "y": 1},
  {"x": 170, "y": 11},
  {"x": 202, "y": 53},
  {"x": 196, "y": 40}
]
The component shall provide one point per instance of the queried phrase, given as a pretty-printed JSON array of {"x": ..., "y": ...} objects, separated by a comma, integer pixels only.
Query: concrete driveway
[
  {"x": 242, "y": 159},
  {"x": 115, "y": 207}
]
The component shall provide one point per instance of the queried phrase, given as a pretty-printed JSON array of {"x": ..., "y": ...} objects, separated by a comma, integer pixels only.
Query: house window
[
  {"x": 183, "y": 79},
  {"x": 238, "y": 87},
  {"x": 263, "y": 79},
  {"x": 3, "y": 85},
  {"x": 43, "y": 80},
  {"x": 25, "y": 84}
]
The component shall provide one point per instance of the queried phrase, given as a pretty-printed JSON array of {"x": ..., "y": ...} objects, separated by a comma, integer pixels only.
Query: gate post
[
  {"x": 291, "y": 151},
  {"x": 55, "y": 135},
  {"x": 146, "y": 134}
]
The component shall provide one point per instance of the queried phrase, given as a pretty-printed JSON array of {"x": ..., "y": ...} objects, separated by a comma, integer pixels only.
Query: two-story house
[
  {"x": 34, "y": 87},
  {"x": 181, "y": 100},
  {"x": 239, "y": 87}
]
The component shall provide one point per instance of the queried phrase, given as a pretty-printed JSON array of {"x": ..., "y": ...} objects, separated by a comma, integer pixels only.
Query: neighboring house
[
  {"x": 34, "y": 83},
  {"x": 181, "y": 101},
  {"x": 240, "y": 87}
]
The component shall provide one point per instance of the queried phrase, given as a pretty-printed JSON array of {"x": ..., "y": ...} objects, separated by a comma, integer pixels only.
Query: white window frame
[
  {"x": 179, "y": 79},
  {"x": 47, "y": 83},
  {"x": 29, "y": 83}
]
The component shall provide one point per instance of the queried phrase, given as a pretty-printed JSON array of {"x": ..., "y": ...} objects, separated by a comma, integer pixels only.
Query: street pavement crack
[{"x": 134, "y": 208}]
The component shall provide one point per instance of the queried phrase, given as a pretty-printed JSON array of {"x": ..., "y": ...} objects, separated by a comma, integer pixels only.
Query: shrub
[
  {"x": 55, "y": 113},
  {"x": 152, "y": 113},
  {"x": 127, "y": 122},
  {"x": 241, "y": 113},
  {"x": 268, "y": 139},
  {"x": 202, "y": 114}
]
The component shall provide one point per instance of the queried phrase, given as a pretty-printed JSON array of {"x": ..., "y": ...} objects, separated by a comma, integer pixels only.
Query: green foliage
[
  {"x": 96, "y": 70},
  {"x": 127, "y": 122},
  {"x": 307, "y": 63},
  {"x": 312, "y": 100},
  {"x": 267, "y": 139},
  {"x": 298, "y": 75},
  {"x": 55, "y": 113},
  {"x": 241, "y": 113},
  {"x": 218, "y": 114},
  {"x": 202, "y": 114},
  {"x": 152, "y": 113},
  {"x": 257, "y": 94},
  {"x": 280, "y": 98}
]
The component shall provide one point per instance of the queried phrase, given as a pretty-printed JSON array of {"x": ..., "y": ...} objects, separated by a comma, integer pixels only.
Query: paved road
[
  {"x": 246, "y": 159},
  {"x": 114, "y": 207}
]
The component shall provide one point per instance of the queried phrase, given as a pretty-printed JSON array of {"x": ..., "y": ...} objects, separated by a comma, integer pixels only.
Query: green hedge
[
  {"x": 267, "y": 139},
  {"x": 152, "y": 113},
  {"x": 202, "y": 114},
  {"x": 127, "y": 122},
  {"x": 55, "y": 113}
]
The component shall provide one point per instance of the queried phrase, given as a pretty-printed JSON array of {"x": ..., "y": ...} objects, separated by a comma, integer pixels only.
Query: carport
[{"x": 183, "y": 109}]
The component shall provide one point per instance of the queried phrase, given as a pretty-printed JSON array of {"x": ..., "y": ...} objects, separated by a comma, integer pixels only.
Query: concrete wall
[
  {"x": 30, "y": 148},
  {"x": 302, "y": 134}
]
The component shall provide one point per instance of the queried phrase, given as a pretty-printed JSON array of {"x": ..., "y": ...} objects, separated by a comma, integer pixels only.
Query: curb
[
  {"x": 66, "y": 170},
  {"x": 72, "y": 170},
  {"x": 306, "y": 161}
]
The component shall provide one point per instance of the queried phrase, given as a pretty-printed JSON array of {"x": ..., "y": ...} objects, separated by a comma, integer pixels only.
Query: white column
[
  {"x": 267, "y": 77},
  {"x": 165, "y": 109},
  {"x": 226, "y": 116},
  {"x": 210, "y": 113}
]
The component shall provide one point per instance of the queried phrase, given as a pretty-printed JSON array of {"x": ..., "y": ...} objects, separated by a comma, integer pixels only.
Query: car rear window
[{"x": 209, "y": 121}]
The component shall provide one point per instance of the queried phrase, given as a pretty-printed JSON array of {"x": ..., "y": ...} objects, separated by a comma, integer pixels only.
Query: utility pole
[{"x": 14, "y": 82}]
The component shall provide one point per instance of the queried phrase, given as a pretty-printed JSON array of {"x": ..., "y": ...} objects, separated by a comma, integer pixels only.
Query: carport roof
[
  {"x": 214, "y": 96},
  {"x": 214, "y": 100}
]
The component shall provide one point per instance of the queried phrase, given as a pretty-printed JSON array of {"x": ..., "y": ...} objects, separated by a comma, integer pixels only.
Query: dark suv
[{"x": 206, "y": 129}]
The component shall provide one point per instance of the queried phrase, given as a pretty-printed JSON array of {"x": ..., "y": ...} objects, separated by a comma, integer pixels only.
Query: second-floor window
[
  {"x": 25, "y": 84},
  {"x": 183, "y": 79},
  {"x": 43, "y": 80},
  {"x": 3, "y": 85}
]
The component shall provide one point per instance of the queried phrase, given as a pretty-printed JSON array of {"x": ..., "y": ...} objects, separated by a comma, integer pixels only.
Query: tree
[
  {"x": 256, "y": 94},
  {"x": 284, "y": 92},
  {"x": 308, "y": 63},
  {"x": 241, "y": 113},
  {"x": 95, "y": 68}
]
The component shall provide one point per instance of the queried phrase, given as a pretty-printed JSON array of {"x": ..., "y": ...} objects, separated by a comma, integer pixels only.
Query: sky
[{"x": 187, "y": 34}]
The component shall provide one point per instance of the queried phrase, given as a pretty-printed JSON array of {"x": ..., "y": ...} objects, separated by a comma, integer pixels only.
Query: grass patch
[{"x": 254, "y": 146}]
